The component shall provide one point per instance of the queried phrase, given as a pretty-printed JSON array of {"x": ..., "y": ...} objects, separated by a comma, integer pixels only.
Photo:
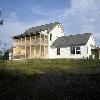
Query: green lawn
[
  {"x": 56, "y": 79},
  {"x": 41, "y": 66}
]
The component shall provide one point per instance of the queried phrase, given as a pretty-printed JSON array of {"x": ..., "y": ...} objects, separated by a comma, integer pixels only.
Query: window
[
  {"x": 78, "y": 50},
  {"x": 75, "y": 50},
  {"x": 58, "y": 51},
  {"x": 50, "y": 37},
  {"x": 72, "y": 50}
]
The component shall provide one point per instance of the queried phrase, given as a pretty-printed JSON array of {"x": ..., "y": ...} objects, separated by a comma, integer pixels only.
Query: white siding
[
  {"x": 56, "y": 32},
  {"x": 90, "y": 43},
  {"x": 65, "y": 53}
]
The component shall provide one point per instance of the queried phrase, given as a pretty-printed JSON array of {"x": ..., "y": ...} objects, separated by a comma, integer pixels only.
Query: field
[{"x": 58, "y": 79}]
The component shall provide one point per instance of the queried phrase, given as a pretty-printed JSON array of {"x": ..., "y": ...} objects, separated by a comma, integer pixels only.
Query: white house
[
  {"x": 74, "y": 46},
  {"x": 49, "y": 42}
]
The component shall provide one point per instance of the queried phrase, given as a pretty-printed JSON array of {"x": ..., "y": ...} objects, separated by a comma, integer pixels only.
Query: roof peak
[
  {"x": 45, "y": 24},
  {"x": 37, "y": 29}
]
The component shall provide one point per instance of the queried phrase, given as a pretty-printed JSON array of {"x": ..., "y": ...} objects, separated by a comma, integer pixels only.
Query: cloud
[
  {"x": 38, "y": 10},
  {"x": 0, "y": 9},
  {"x": 13, "y": 26},
  {"x": 83, "y": 13},
  {"x": 81, "y": 16},
  {"x": 13, "y": 15}
]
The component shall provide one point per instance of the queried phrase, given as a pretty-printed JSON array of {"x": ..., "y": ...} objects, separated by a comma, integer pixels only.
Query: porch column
[
  {"x": 25, "y": 47},
  {"x": 44, "y": 47},
  {"x": 30, "y": 46},
  {"x": 40, "y": 47},
  {"x": 21, "y": 40},
  {"x": 35, "y": 46},
  {"x": 20, "y": 48}
]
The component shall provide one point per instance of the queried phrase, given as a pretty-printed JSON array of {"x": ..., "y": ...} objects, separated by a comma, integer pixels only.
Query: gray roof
[
  {"x": 71, "y": 40},
  {"x": 37, "y": 29}
]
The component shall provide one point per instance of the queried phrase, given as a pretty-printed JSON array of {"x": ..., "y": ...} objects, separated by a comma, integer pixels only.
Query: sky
[{"x": 76, "y": 16}]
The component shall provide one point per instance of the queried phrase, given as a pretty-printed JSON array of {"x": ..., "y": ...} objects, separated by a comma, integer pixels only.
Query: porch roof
[{"x": 96, "y": 48}]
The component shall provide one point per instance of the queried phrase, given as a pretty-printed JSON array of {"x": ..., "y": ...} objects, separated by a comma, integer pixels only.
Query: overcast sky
[{"x": 77, "y": 16}]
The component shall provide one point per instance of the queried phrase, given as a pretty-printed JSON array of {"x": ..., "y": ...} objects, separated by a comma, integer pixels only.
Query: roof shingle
[
  {"x": 71, "y": 40},
  {"x": 38, "y": 29}
]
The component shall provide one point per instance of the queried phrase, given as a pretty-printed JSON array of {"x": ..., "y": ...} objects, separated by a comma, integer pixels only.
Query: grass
[
  {"x": 51, "y": 79},
  {"x": 41, "y": 66}
]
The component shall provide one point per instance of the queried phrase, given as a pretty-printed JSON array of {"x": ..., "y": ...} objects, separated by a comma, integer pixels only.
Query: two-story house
[
  {"x": 36, "y": 41},
  {"x": 49, "y": 42}
]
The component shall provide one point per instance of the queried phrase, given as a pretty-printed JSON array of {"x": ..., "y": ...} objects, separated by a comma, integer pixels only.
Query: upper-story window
[
  {"x": 58, "y": 51},
  {"x": 75, "y": 50},
  {"x": 50, "y": 37}
]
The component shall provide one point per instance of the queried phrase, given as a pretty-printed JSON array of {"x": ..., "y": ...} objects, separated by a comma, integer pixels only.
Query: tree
[
  {"x": 0, "y": 55},
  {"x": 4, "y": 52},
  {"x": 1, "y": 21},
  {"x": 6, "y": 55}
]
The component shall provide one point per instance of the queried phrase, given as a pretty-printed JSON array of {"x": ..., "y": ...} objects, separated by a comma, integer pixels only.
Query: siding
[
  {"x": 91, "y": 42},
  {"x": 56, "y": 32},
  {"x": 65, "y": 53}
]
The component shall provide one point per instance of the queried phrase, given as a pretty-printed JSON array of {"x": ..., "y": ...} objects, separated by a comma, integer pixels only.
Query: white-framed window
[
  {"x": 58, "y": 51},
  {"x": 50, "y": 37},
  {"x": 75, "y": 50},
  {"x": 78, "y": 51}
]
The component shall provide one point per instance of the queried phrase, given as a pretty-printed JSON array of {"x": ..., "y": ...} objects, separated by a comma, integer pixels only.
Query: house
[
  {"x": 49, "y": 42},
  {"x": 36, "y": 41},
  {"x": 74, "y": 46}
]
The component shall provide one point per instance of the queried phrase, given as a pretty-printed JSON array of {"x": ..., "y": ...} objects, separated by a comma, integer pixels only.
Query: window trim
[
  {"x": 58, "y": 51},
  {"x": 78, "y": 50},
  {"x": 75, "y": 52},
  {"x": 71, "y": 48},
  {"x": 50, "y": 37}
]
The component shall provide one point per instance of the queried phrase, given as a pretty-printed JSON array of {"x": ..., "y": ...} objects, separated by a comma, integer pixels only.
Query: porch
[
  {"x": 32, "y": 46},
  {"x": 95, "y": 53}
]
